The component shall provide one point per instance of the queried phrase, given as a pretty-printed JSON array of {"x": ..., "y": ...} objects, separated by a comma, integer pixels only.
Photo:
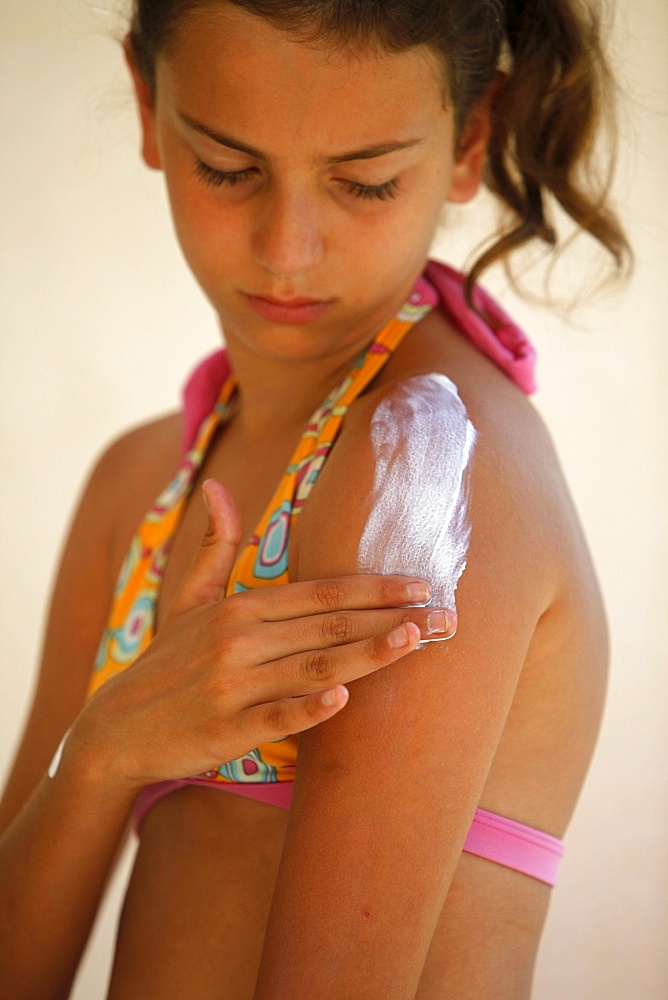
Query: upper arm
[
  {"x": 434, "y": 717},
  {"x": 91, "y": 556},
  {"x": 386, "y": 790}
]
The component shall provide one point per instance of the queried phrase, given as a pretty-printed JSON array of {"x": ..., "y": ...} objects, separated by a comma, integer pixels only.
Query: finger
[
  {"x": 298, "y": 600},
  {"x": 280, "y": 718},
  {"x": 449, "y": 630},
  {"x": 299, "y": 635},
  {"x": 276, "y": 720},
  {"x": 323, "y": 669},
  {"x": 210, "y": 570}
]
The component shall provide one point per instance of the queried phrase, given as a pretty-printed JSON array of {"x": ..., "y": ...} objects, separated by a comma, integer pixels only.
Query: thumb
[{"x": 210, "y": 570}]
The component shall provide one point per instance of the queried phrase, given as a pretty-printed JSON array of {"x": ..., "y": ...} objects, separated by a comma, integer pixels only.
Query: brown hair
[{"x": 547, "y": 113}]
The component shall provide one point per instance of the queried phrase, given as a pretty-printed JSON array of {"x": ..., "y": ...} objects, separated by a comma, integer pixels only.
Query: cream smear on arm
[{"x": 419, "y": 524}]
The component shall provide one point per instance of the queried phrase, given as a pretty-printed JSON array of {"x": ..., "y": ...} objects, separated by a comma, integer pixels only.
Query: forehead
[{"x": 226, "y": 65}]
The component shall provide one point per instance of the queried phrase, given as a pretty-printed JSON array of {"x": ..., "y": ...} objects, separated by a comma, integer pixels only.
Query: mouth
[
  {"x": 295, "y": 311},
  {"x": 275, "y": 300}
]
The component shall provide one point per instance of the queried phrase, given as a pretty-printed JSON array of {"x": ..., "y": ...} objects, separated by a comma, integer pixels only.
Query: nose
[{"x": 289, "y": 234}]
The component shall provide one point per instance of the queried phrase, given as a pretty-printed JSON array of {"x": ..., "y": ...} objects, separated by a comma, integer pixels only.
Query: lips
[
  {"x": 288, "y": 303},
  {"x": 294, "y": 312}
]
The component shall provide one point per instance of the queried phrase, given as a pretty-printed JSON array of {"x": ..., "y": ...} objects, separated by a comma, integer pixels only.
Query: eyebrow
[{"x": 367, "y": 153}]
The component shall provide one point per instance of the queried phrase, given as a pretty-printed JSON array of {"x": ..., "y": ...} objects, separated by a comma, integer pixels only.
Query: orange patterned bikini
[{"x": 264, "y": 561}]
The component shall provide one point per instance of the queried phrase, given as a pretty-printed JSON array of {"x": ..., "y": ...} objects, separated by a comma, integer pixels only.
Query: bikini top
[{"x": 263, "y": 562}]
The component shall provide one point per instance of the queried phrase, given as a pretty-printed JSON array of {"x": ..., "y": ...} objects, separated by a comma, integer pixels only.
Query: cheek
[
  {"x": 205, "y": 231},
  {"x": 194, "y": 207},
  {"x": 399, "y": 235}
]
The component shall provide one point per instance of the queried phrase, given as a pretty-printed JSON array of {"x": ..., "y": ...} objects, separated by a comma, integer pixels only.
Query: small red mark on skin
[{"x": 366, "y": 914}]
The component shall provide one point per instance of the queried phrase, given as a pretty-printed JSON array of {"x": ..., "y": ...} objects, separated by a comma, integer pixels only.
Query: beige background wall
[{"x": 100, "y": 322}]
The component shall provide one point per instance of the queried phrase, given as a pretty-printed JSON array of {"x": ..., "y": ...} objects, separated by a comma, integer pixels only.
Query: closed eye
[
  {"x": 216, "y": 178},
  {"x": 367, "y": 192}
]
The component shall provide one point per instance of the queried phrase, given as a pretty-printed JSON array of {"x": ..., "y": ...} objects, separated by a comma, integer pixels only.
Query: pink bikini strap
[
  {"x": 495, "y": 335},
  {"x": 201, "y": 393},
  {"x": 514, "y": 845},
  {"x": 492, "y": 837}
]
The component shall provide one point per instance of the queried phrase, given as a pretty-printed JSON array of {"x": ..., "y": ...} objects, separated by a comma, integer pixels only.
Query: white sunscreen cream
[{"x": 419, "y": 525}]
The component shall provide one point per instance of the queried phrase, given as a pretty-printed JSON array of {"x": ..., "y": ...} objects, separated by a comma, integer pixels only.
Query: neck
[
  {"x": 282, "y": 391},
  {"x": 282, "y": 394}
]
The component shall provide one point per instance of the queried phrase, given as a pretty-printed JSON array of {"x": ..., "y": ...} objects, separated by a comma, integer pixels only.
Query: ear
[
  {"x": 145, "y": 102},
  {"x": 472, "y": 148}
]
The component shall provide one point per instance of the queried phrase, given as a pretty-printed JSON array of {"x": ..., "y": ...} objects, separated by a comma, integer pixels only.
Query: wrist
[
  {"x": 80, "y": 783},
  {"x": 90, "y": 754}
]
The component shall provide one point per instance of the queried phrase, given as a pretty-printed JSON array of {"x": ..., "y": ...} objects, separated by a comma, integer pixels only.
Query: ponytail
[{"x": 545, "y": 123}]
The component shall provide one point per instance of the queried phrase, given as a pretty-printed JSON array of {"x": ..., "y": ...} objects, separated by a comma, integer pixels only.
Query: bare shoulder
[{"x": 519, "y": 503}]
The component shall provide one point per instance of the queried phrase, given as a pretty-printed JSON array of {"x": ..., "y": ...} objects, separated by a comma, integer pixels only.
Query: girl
[{"x": 308, "y": 149}]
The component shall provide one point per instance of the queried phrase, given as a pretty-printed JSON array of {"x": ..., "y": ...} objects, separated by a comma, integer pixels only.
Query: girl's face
[{"x": 305, "y": 186}]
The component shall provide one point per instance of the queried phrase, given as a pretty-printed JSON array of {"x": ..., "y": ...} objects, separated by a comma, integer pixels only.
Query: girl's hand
[{"x": 225, "y": 674}]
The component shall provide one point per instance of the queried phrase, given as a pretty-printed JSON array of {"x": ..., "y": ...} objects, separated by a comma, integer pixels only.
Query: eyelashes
[
  {"x": 216, "y": 178},
  {"x": 366, "y": 192}
]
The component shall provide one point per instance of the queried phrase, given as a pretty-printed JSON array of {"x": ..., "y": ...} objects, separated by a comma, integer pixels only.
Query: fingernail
[
  {"x": 398, "y": 637},
  {"x": 336, "y": 696},
  {"x": 418, "y": 593},
  {"x": 437, "y": 621}
]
